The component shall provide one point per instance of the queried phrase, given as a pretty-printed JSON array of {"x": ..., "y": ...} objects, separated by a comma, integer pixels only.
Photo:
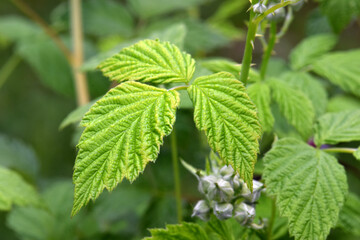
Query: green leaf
[
  {"x": 15, "y": 191},
  {"x": 349, "y": 218},
  {"x": 260, "y": 94},
  {"x": 225, "y": 112},
  {"x": 108, "y": 17},
  {"x": 76, "y": 115},
  {"x": 32, "y": 223},
  {"x": 13, "y": 28},
  {"x": 295, "y": 106},
  {"x": 310, "y": 49},
  {"x": 124, "y": 131},
  {"x": 146, "y": 9},
  {"x": 333, "y": 128},
  {"x": 311, "y": 87},
  {"x": 309, "y": 185},
  {"x": 17, "y": 155},
  {"x": 343, "y": 102},
  {"x": 184, "y": 231},
  {"x": 357, "y": 154},
  {"x": 340, "y": 13},
  {"x": 342, "y": 69},
  {"x": 175, "y": 34},
  {"x": 222, "y": 64},
  {"x": 49, "y": 63},
  {"x": 150, "y": 61}
]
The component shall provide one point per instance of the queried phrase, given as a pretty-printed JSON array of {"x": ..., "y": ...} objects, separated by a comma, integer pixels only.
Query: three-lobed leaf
[
  {"x": 333, "y": 128},
  {"x": 150, "y": 61},
  {"x": 124, "y": 131},
  {"x": 227, "y": 115},
  {"x": 310, "y": 186}
]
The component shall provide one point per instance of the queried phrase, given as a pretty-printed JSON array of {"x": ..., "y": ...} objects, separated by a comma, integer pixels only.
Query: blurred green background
[{"x": 37, "y": 93}]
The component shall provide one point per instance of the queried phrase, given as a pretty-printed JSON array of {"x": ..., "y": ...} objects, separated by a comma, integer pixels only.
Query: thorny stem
[
  {"x": 247, "y": 58},
  {"x": 8, "y": 68},
  {"x": 268, "y": 50},
  {"x": 77, "y": 37},
  {"x": 176, "y": 170},
  {"x": 341, "y": 150},
  {"x": 22, "y": 6}
]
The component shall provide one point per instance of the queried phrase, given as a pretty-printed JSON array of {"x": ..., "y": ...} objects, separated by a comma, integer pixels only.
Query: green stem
[
  {"x": 268, "y": 50},
  {"x": 341, "y": 150},
  {"x": 8, "y": 68},
  {"x": 247, "y": 58},
  {"x": 184, "y": 87},
  {"x": 272, "y": 219},
  {"x": 175, "y": 160}
]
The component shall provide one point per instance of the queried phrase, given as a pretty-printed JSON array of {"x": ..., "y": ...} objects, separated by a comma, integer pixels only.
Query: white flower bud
[
  {"x": 259, "y": 8},
  {"x": 227, "y": 172},
  {"x": 278, "y": 15},
  {"x": 223, "y": 210},
  {"x": 297, "y": 6},
  {"x": 207, "y": 184},
  {"x": 244, "y": 213},
  {"x": 224, "y": 191},
  {"x": 201, "y": 210},
  {"x": 255, "y": 195}
]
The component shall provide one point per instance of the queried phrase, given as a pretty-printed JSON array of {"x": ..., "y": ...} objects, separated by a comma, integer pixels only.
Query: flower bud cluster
[{"x": 226, "y": 196}]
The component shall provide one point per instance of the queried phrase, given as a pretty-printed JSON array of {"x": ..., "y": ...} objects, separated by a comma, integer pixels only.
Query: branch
[
  {"x": 78, "y": 55},
  {"x": 47, "y": 29}
]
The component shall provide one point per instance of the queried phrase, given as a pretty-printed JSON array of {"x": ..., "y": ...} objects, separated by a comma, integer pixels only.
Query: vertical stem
[
  {"x": 247, "y": 58},
  {"x": 268, "y": 50},
  {"x": 174, "y": 155},
  {"x": 78, "y": 54},
  {"x": 272, "y": 219},
  {"x": 8, "y": 68}
]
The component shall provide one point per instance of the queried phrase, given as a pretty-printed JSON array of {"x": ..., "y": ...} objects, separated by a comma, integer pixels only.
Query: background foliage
[{"x": 316, "y": 69}]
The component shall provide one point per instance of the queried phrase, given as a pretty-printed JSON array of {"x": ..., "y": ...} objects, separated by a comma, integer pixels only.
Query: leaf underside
[
  {"x": 225, "y": 112},
  {"x": 333, "y": 128},
  {"x": 124, "y": 131},
  {"x": 150, "y": 61},
  {"x": 309, "y": 184}
]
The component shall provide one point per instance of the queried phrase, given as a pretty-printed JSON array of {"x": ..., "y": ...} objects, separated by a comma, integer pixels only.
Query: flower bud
[
  {"x": 278, "y": 15},
  {"x": 244, "y": 213},
  {"x": 235, "y": 183},
  {"x": 207, "y": 184},
  {"x": 201, "y": 210},
  {"x": 224, "y": 191},
  {"x": 255, "y": 195},
  {"x": 223, "y": 211},
  {"x": 297, "y": 6},
  {"x": 227, "y": 172},
  {"x": 259, "y": 8}
]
